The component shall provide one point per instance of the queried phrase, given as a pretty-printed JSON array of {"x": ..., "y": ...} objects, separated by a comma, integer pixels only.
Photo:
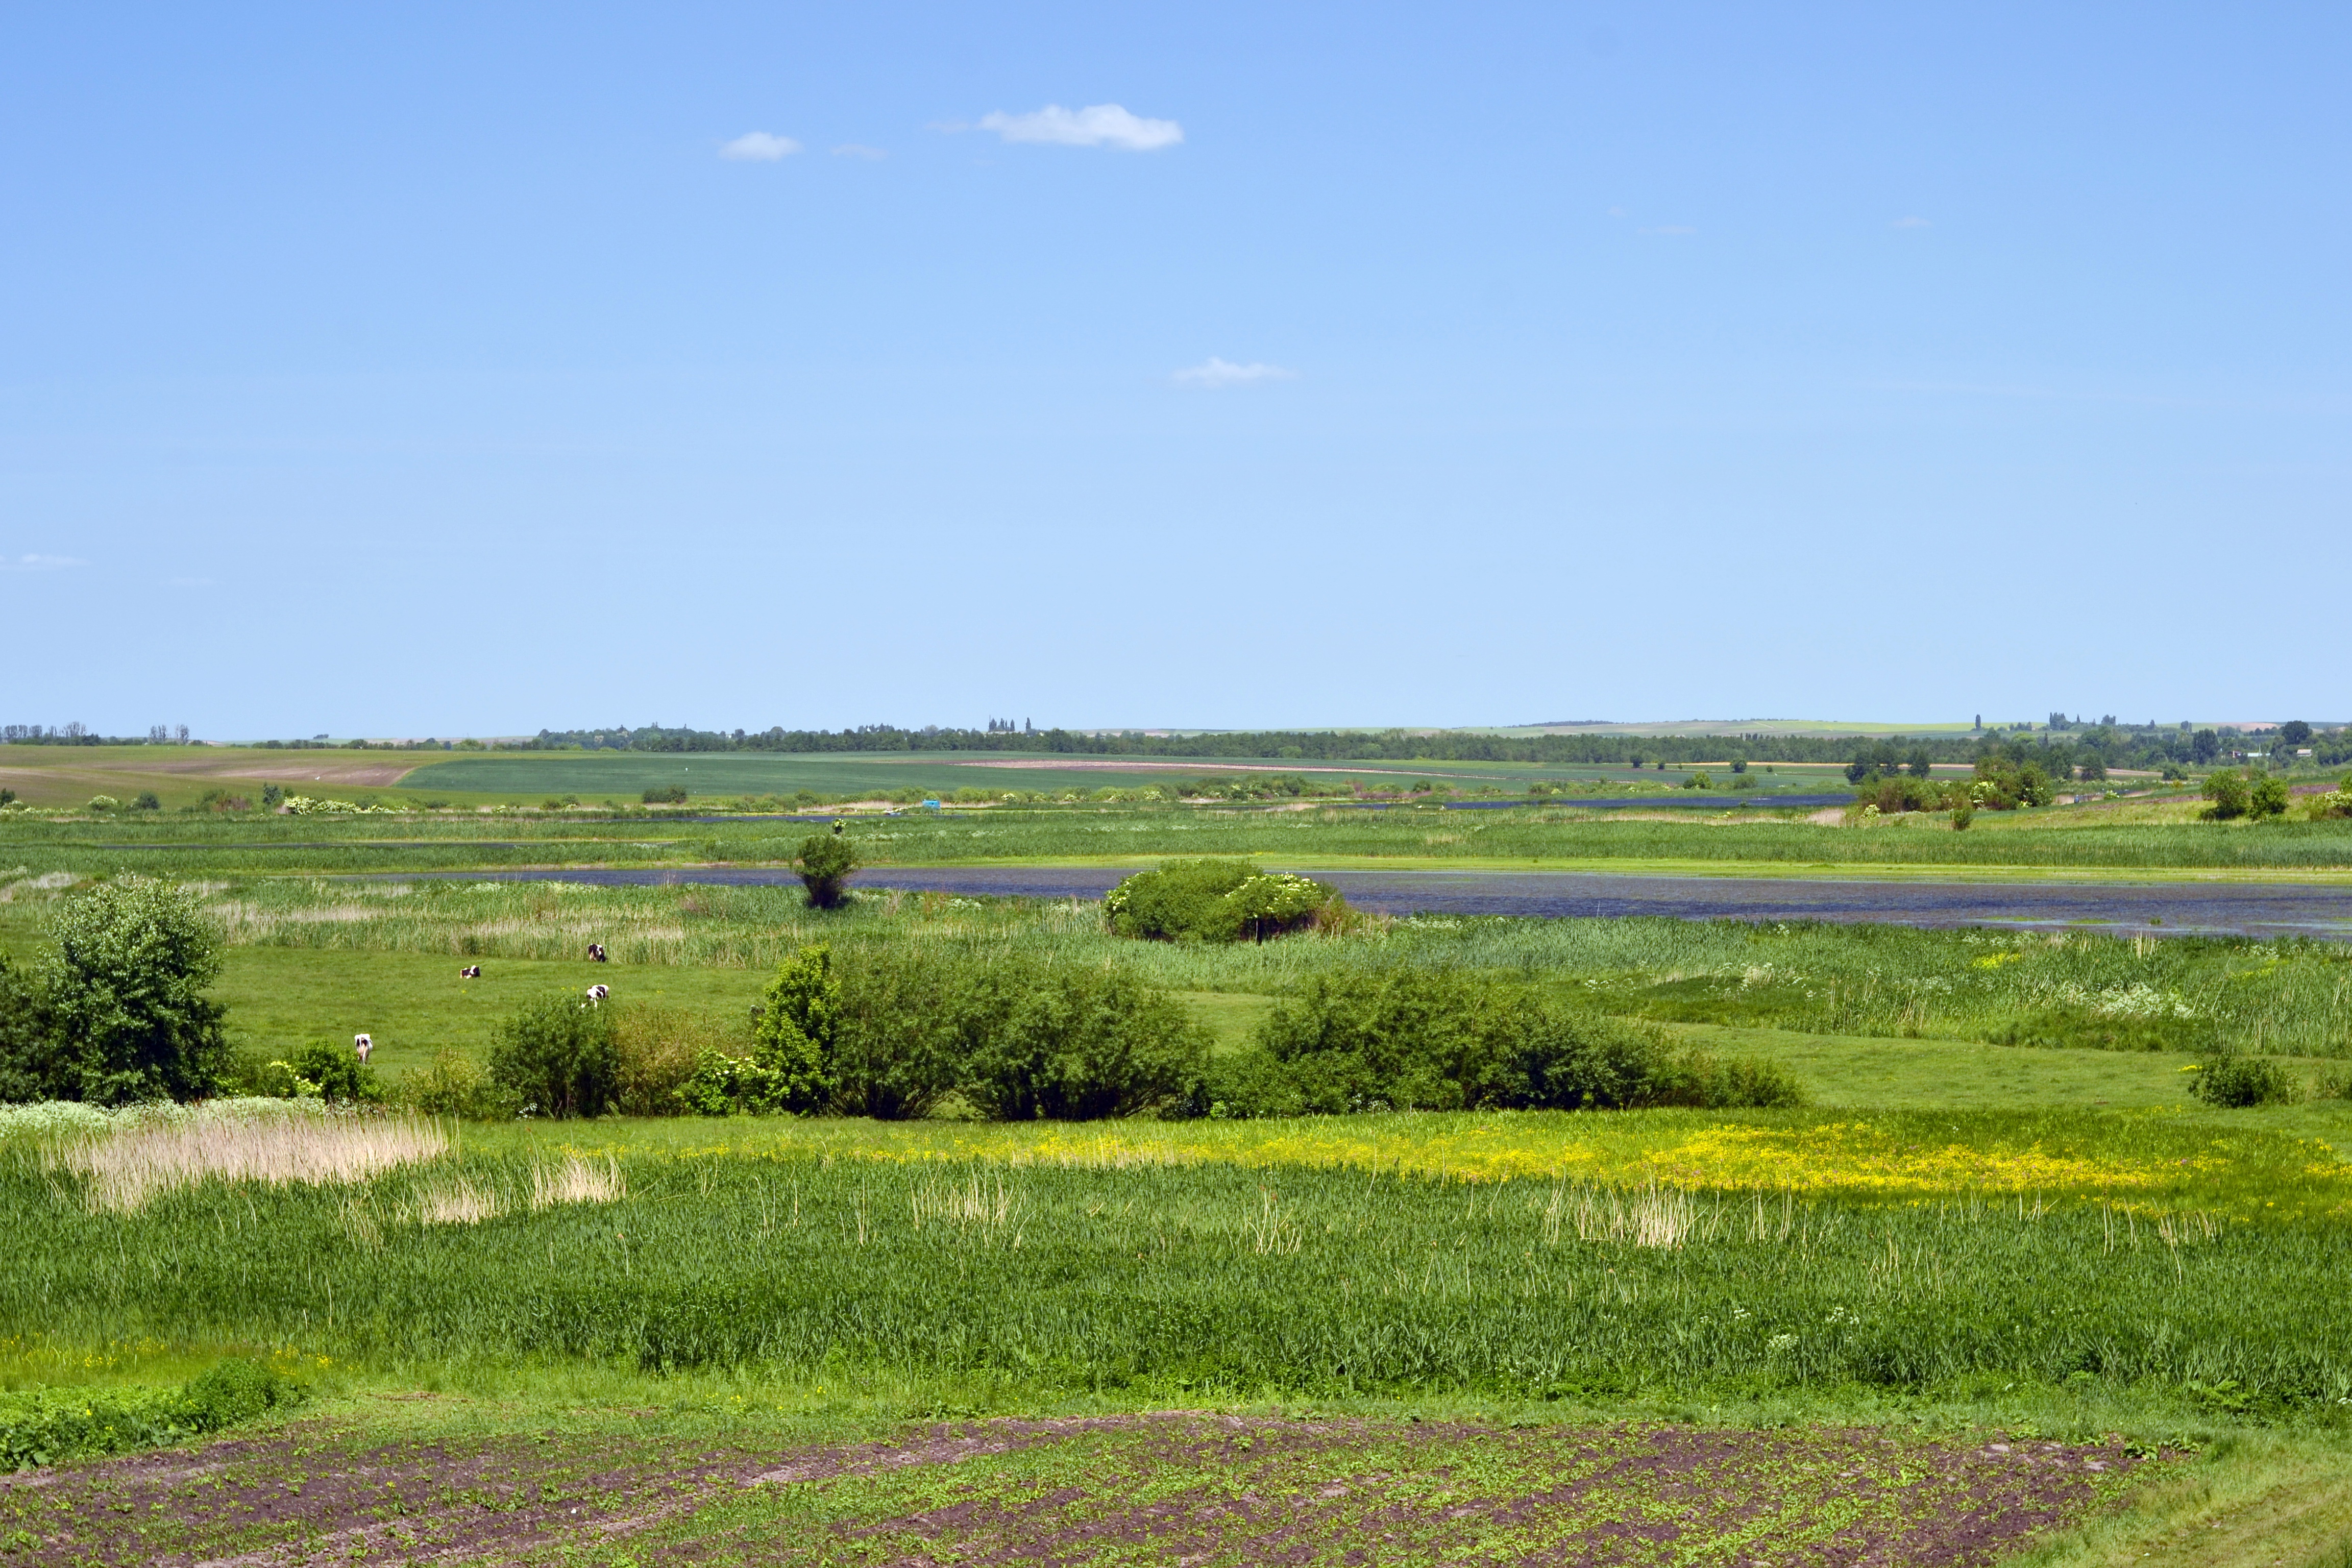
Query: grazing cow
[
  {"x": 597, "y": 993},
  {"x": 595, "y": 952},
  {"x": 471, "y": 972},
  {"x": 361, "y": 1047}
]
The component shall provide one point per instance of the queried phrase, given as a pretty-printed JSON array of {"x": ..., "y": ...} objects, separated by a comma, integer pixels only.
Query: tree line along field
[{"x": 2001, "y": 1246}]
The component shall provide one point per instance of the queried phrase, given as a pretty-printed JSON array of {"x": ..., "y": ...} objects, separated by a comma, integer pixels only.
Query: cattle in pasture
[
  {"x": 597, "y": 993},
  {"x": 361, "y": 1047},
  {"x": 595, "y": 952},
  {"x": 471, "y": 972}
]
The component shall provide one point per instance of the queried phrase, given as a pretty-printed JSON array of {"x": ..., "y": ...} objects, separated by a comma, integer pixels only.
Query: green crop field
[{"x": 1999, "y": 1246}]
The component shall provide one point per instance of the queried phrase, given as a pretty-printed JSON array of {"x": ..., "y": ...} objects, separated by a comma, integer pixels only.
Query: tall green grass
[{"x": 1195, "y": 1279}]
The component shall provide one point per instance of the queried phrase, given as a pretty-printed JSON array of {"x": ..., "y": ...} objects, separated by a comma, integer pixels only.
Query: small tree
[
  {"x": 825, "y": 862},
  {"x": 793, "y": 1039},
  {"x": 2295, "y": 732},
  {"x": 125, "y": 990},
  {"x": 2227, "y": 791},
  {"x": 2268, "y": 798}
]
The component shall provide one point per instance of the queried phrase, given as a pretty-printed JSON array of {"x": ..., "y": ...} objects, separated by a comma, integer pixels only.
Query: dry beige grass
[
  {"x": 122, "y": 1170},
  {"x": 573, "y": 1180},
  {"x": 458, "y": 1201}
]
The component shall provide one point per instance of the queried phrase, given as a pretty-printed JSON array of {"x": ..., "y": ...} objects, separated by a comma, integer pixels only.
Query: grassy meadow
[{"x": 2000, "y": 1221}]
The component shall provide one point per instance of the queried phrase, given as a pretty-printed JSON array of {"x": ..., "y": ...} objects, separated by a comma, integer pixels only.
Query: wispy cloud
[
  {"x": 1910, "y": 223},
  {"x": 758, "y": 147},
  {"x": 1215, "y": 373},
  {"x": 852, "y": 149},
  {"x": 1100, "y": 125},
  {"x": 39, "y": 563}
]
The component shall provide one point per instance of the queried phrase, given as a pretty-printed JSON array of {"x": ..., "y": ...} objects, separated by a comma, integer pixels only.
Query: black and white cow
[
  {"x": 595, "y": 952},
  {"x": 597, "y": 993},
  {"x": 361, "y": 1047},
  {"x": 471, "y": 972}
]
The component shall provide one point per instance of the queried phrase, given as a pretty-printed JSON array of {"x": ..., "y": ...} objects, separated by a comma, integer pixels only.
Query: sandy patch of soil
[{"x": 1173, "y": 1486}]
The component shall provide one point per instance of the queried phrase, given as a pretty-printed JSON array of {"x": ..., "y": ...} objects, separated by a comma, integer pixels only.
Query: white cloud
[
  {"x": 1909, "y": 223},
  {"x": 852, "y": 149},
  {"x": 758, "y": 147},
  {"x": 1101, "y": 125},
  {"x": 39, "y": 563},
  {"x": 1216, "y": 373}
]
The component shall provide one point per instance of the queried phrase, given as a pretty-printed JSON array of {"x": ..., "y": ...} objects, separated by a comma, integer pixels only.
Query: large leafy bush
[
  {"x": 1439, "y": 1040},
  {"x": 1217, "y": 901},
  {"x": 557, "y": 1056},
  {"x": 1075, "y": 1044}
]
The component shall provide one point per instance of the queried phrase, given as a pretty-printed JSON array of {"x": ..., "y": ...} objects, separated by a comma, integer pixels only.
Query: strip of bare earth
[{"x": 1169, "y": 1487}]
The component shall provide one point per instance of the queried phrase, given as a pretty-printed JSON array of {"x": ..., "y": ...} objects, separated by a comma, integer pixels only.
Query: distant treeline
[{"x": 2107, "y": 745}]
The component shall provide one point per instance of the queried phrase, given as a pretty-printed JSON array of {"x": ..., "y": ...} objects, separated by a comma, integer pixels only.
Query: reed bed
[{"x": 122, "y": 1170}]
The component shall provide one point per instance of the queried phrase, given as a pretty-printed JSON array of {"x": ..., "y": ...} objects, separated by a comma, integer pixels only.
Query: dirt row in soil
[{"x": 1176, "y": 1487}]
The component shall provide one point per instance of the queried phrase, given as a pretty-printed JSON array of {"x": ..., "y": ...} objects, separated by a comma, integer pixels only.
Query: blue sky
[{"x": 463, "y": 369}]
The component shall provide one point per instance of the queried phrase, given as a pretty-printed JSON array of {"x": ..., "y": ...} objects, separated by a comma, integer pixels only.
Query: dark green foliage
[
  {"x": 2058, "y": 1029},
  {"x": 796, "y": 1028},
  {"x": 898, "y": 1048},
  {"x": 2227, "y": 790},
  {"x": 1422, "y": 1039},
  {"x": 2295, "y": 732},
  {"x": 557, "y": 1056},
  {"x": 125, "y": 995},
  {"x": 2267, "y": 799},
  {"x": 791, "y": 1043},
  {"x": 1217, "y": 901},
  {"x": 341, "y": 1077},
  {"x": 2238, "y": 1081},
  {"x": 29, "y": 1068},
  {"x": 666, "y": 795},
  {"x": 826, "y": 861},
  {"x": 1075, "y": 1044},
  {"x": 46, "y": 1426},
  {"x": 146, "y": 800}
]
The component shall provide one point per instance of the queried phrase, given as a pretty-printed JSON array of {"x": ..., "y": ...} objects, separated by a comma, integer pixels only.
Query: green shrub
[
  {"x": 453, "y": 1084},
  {"x": 125, "y": 995},
  {"x": 1074, "y": 1045},
  {"x": 665, "y": 795},
  {"x": 1438, "y": 1040},
  {"x": 899, "y": 1047},
  {"x": 656, "y": 1051},
  {"x": 337, "y": 1074},
  {"x": 29, "y": 1068},
  {"x": 2227, "y": 791},
  {"x": 2240, "y": 1081},
  {"x": 556, "y": 1057},
  {"x": 826, "y": 861},
  {"x": 791, "y": 1042},
  {"x": 2268, "y": 798},
  {"x": 1217, "y": 901}
]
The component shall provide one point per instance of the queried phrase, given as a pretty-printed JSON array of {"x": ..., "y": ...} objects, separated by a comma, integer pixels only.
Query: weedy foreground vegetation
[{"x": 1550, "y": 1269}]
